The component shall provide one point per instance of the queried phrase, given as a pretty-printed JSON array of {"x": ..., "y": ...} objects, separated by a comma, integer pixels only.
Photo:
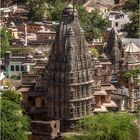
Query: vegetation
[
  {"x": 14, "y": 125},
  {"x": 94, "y": 52},
  {"x": 109, "y": 126},
  {"x": 131, "y": 74},
  {"x": 131, "y": 5},
  {"x": 5, "y": 37},
  {"x": 55, "y": 14},
  {"x": 133, "y": 28},
  {"x": 93, "y": 23},
  {"x": 37, "y": 8}
]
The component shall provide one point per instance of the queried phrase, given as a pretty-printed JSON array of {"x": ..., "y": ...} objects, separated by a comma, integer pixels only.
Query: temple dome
[
  {"x": 12, "y": 24},
  {"x": 29, "y": 56},
  {"x": 42, "y": 28}
]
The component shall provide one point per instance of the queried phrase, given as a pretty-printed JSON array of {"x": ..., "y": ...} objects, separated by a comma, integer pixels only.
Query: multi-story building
[
  {"x": 118, "y": 20},
  {"x": 7, "y": 12},
  {"x": 14, "y": 13}
]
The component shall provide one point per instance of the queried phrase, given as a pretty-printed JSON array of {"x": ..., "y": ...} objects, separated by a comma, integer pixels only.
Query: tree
[
  {"x": 37, "y": 9},
  {"x": 93, "y": 23},
  {"x": 5, "y": 37},
  {"x": 94, "y": 52},
  {"x": 108, "y": 126},
  {"x": 131, "y": 5},
  {"x": 133, "y": 28},
  {"x": 14, "y": 125},
  {"x": 127, "y": 75},
  {"x": 58, "y": 6}
]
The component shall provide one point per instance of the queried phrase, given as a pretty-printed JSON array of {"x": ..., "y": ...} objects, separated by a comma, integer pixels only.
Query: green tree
[
  {"x": 127, "y": 75},
  {"x": 108, "y": 126},
  {"x": 131, "y": 5},
  {"x": 14, "y": 125},
  {"x": 58, "y": 6},
  {"x": 93, "y": 23},
  {"x": 38, "y": 9},
  {"x": 5, "y": 37},
  {"x": 94, "y": 52},
  {"x": 133, "y": 27}
]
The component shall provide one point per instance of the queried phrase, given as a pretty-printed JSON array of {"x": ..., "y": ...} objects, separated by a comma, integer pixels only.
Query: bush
[{"x": 109, "y": 126}]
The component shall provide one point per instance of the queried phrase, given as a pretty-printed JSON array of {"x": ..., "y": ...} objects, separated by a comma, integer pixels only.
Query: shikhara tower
[{"x": 69, "y": 73}]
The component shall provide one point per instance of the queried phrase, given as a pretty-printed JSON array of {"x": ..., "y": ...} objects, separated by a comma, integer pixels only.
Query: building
[
  {"x": 67, "y": 85},
  {"x": 7, "y": 12},
  {"x": 44, "y": 35},
  {"x": 113, "y": 49},
  {"x": 17, "y": 14},
  {"x": 69, "y": 71},
  {"x": 13, "y": 30},
  {"x": 20, "y": 15},
  {"x": 103, "y": 86},
  {"x": 118, "y": 20},
  {"x": 34, "y": 27},
  {"x": 125, "y": 41},
  {"x": 131, "y": 57}
]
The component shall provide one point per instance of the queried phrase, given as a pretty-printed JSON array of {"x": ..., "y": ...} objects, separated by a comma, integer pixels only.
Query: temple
[
  {"x": 68, "y": 73},
  {"x": 69, "y": 84}
]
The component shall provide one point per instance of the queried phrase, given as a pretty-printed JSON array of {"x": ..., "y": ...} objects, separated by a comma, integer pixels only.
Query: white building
[
  {"x": 118, "y": 19},
  {"x": 7, "y": 12}
]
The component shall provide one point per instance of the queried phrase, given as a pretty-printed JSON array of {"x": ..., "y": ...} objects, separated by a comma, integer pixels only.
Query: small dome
[
  {"x": 38, "y": 51},
  {"x": 12, "y": 24},
  {"x": 42, "y": 28},
  {"x": 70, "y": 5},
  {"x": 29, "y": 56}
]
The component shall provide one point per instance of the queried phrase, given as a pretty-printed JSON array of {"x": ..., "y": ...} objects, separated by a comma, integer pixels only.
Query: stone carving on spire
[{"x": 69, "y": 82}]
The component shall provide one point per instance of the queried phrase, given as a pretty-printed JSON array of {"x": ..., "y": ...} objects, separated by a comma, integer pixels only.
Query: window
[
  {"x": 12, "y": 68},
  {"x": 17, "y": 68},
  {"x": 22, "y": 68},
  {"x": 116, "y": 24}
]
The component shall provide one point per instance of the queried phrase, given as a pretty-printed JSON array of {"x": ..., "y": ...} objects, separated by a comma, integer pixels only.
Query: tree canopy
[
  {"x": 94, "y": 52},
  {"x": 5, "y": 37},
  {"x": 93, "y": 23},
  {"x": 14, "y": 125},
  {"x": 127, "y": 75},
  {"x": 107, "y": 126},
  {"x": 133, "y": 27}
]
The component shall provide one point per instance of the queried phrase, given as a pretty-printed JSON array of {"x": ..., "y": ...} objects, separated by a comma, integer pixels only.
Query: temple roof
[
  {"x": 131, "y": 48},
  {"x": 122, "y": 91}
]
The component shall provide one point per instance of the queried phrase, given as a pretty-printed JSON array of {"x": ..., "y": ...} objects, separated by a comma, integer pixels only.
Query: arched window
[
  {"x": 12, "y": 68},
  {"x": 17, "y": 68},
  {"x": 22, "y": 68}
]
